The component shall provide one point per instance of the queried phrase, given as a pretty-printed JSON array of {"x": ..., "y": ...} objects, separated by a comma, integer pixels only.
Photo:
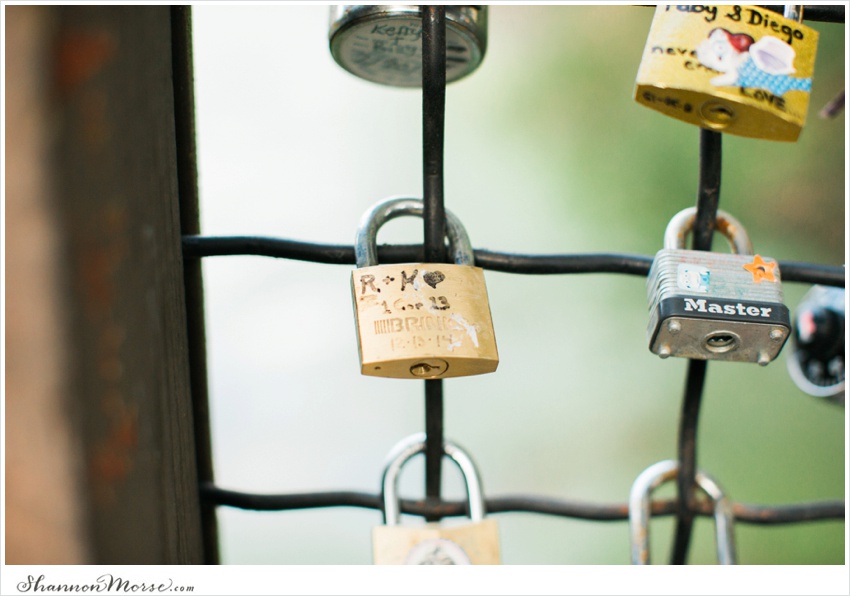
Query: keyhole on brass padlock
[
  {"x": 718, "y": 114},
  {"x": 430, "y": 368}
]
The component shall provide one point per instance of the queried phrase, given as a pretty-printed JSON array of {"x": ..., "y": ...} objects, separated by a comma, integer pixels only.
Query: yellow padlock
[
  {"x": 420, "y": 320},
  {"x": 742, "y": 70},
  {"x": 473, "y": 543}
]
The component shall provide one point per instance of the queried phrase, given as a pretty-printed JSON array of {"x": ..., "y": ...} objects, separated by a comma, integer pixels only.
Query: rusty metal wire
[
  {"x": 744, "y": 512},
  {"x": 536, "y": 264}
]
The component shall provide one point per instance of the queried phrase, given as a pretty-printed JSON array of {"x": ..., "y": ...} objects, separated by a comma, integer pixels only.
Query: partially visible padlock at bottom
[
  {"x": 472, "y": 543},
  {"x": 743, "y": 70},
  {"x": 640, "y": 509}
]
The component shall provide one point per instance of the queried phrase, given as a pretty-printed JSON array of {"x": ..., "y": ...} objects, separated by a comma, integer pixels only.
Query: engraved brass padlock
[
  {"x": 715, "y": 306},
  {"x": 472, "y": 543},
  {"x": 639, "y": 512},
  {"x": 420, "y": 320},
  {"x": 743, "y": 70},
  {"x": 383, "y": 43}
]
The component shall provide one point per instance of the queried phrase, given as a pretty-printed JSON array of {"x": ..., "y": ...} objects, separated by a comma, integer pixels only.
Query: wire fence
[{"x": 433, "y": 507}]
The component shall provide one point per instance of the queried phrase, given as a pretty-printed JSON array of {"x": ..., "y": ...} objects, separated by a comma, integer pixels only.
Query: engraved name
[{"x": 412, "y": 324}]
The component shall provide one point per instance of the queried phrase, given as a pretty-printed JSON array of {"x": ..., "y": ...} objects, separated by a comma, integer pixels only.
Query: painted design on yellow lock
[
  {"x": 766, "y": 64},
  {"x": 728, "y": 68}
]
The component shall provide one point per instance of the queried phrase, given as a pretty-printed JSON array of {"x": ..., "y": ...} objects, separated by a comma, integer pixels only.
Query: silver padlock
[
  {"x": 472, "y": 543},
  {"x": 817, "y": 363},
  {"x": 715, "y": 306},
  {"x": 383, "y": 43},
  {"x": 640, "y": 509}
]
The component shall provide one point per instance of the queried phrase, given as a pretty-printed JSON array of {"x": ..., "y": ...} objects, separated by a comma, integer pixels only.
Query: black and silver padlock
[
  {"x": 743, "y": 70},
  {"x": 817, "y": 361},
  {"x": 715, "y": 306},
  {"x": 473, "y": 543},
  {"x": 420, "y": 320},
  {"x": 640, "y": 510},
  {"x": 383, "y": 43}
]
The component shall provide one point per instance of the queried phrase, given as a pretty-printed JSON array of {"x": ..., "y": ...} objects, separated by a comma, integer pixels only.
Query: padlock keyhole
[{"x": 721, "y": 341}]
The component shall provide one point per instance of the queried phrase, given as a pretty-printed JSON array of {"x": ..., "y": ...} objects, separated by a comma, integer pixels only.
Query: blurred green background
[{"x": 546, "y": 152}]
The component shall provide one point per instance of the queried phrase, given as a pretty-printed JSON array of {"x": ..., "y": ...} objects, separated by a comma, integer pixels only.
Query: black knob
[{"x": 819, "y": 331}]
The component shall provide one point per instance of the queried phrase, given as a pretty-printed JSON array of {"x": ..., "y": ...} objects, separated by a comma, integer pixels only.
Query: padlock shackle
[
  {"x": 640, "y": 510},
  {"x": 793, "y": 12},
  {"x": 413, "y": 445},
  {"x": 366, "y": 240},
  {"x": 683, "y": 222}
]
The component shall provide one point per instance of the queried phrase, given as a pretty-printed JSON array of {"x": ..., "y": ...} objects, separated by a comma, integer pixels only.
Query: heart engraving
[{"x": 432, "y": 278}]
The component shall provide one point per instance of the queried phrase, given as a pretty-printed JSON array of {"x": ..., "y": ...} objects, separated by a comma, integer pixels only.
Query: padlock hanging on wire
[
  {"x": 475, "y": 542},
  {"x": 817, "y": 361},
  {"x": 715, "y": 306},
  {"x": 420, "y": 320},
  {"x": 383, "y": 43},
  {"x": 742, "y": 70},
  {"x": 640, "y": 507}
]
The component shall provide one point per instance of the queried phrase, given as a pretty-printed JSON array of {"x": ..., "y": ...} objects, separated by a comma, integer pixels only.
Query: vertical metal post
[
  {"x": 708, "y": 198},
  {"x": 433, "y": 126},
  {"x": 116, "y": 191},
  {"x": 187, "y": 186}
]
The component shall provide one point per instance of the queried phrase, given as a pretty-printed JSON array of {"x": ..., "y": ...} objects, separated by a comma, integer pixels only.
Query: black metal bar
[
  {"x": 187, "y": 179},
  {"x": 686, "y": 448},
  {"x": 745, "y": 513},
  {"x": 433, "y": 441},
  {"x": 433, "y": 129},
  {"x": 338, "y": 254},
  {"x": 708, "y": 198},
  {"x": 708, "y": 193},
  {"x": 434, "y": 214}
]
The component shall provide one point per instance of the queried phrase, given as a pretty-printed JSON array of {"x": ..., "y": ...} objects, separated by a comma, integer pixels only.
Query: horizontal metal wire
[
  {"x": 744, "y": 512},
  {"x": 343, "y": 254}
]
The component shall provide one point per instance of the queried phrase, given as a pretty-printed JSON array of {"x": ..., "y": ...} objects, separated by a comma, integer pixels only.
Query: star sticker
[{"x": 761, "y": 271}]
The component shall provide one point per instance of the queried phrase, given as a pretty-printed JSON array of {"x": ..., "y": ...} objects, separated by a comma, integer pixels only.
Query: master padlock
[
  {"x": 743, "y": 70},
  {"x": 472, "y": 543},
  {"x": 715, "y": 306},
  {"x": 420, "y": 320},
  {"x": 640, "y": 509},
  {"x": 383, "y": 43}
]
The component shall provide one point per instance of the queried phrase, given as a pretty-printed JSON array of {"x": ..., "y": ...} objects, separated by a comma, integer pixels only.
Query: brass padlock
[
  {"x": 383, "y": 43},
  {"x": 420, "y": 320},
  {"x": 472, "y": 543},
  {"x": 715, "y": 306},
  {"x": 743, "y": 70},
  {"x": 640, "y": 509}
]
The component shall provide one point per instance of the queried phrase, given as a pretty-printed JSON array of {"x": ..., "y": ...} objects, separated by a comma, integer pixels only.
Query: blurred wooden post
[
  {"x": 101, "y": 101},
  {"x": 45, "y": 509}
]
